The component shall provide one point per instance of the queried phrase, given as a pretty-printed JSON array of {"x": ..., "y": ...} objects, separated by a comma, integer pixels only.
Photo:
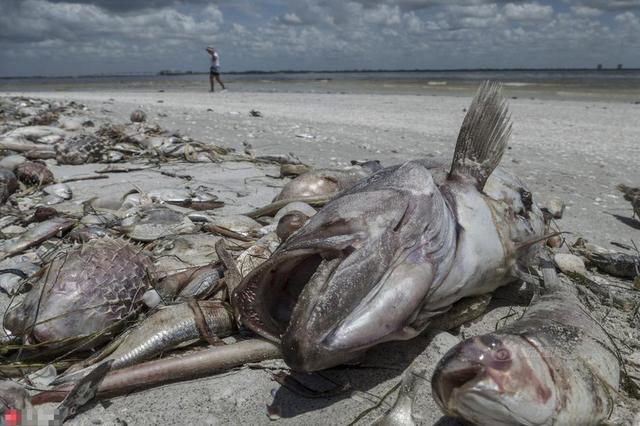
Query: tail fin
[{"x": 484, "y": 135}]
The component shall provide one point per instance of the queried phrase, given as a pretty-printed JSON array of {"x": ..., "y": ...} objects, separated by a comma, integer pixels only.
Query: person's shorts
[{"x": 214, "y": 70}]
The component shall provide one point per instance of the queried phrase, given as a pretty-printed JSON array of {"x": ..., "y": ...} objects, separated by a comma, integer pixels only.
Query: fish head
[
  {"x": 355, "y": 274},
  {"x": 496, "y": 379}
]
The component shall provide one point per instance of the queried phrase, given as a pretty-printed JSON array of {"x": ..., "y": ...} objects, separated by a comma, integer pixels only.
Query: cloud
[
  {"x": 527, "y": 11},
  {"x": 73, "y": 37}
]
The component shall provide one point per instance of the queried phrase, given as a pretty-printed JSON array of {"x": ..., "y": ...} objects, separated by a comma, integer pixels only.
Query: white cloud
[
  {"x": 527, "y": 11},
  {"x": 586, "y": 11}
]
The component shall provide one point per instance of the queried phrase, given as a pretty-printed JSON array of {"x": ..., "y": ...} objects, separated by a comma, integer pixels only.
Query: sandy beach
[{"x": 575, "y": 150}]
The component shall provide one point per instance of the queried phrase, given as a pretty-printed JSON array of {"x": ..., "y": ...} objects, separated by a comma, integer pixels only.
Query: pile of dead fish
[{"x": 149, "y": 287}]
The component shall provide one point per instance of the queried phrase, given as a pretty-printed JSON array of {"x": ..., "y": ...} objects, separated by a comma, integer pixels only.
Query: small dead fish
[
  {"x": 202, "y": 284},
  {"x": 165, "y": 329},
  {"x": 325, "y": 181},
  {"x": 14, "y": 269},
  {"x": 31, "y": 173},
  {"x": 149, "y": 224},
  {"x": 61, "y": 190},
  {"x": 33, "y": 133},
  {"x": 554, "y": 366},
  {"x": 290, "y": 223},
  {"x": 83, "y": 234},
  {"x": 196, "y": 200},
  {"x": 87, "y": 290},
  {"x": 386, "y": 256},
  {"x": 8, "y": 184},
  {"x": 608, "y": 261},
  {"x": 35, "y": 235}
]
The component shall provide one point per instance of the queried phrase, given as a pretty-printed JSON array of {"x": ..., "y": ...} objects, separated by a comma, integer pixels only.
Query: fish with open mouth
[
  {"x": 554, "y": 366},
  {"x": 398, "y": 248}
]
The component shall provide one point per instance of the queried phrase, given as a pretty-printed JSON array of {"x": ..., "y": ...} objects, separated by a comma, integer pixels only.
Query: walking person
[{"x": 214, "y": 70}]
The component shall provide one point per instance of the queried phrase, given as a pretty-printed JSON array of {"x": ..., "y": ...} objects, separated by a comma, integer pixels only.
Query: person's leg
[
  {"x": 220, "y": 81},
  {"x": 211, "y": 82}
]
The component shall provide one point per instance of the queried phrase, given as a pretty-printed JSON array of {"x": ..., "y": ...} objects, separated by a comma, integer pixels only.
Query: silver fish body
[
  {"x": 554, "y": 366},
  {"x": 35, "y": 235},
  {"x": 164, "y": 330},
  {"x": 395, "y": 250}
]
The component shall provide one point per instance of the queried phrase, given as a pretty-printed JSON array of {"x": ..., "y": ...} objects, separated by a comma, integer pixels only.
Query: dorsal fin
[{"x": 483, "y": 136}]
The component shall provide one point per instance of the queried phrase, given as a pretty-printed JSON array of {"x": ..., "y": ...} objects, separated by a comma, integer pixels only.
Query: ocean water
[{"x": 622, "y": 85}]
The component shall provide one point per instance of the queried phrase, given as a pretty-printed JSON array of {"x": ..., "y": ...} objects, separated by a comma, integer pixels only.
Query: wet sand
[{"x": 575, "y": 150}]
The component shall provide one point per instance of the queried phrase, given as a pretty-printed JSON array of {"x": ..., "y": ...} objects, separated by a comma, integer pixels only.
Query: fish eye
[{"x": 502, "y": 354}]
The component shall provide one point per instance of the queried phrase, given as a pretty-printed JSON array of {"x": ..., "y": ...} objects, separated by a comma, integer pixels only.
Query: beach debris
[
  {"x": 555, "y": 365},
  {"x": 355, "y": 264},
  {"x": 192, "y": 365},
  {"x": 609, "y": 261},
  {"x": 633, "y": 196},
  {"x": 35, "y": 235},
  {"x": 11, "y": 161},
  {"x": 85, "y": 291},
  {"x": 32, "y": 173},
  {"x": 163, "y": 330},
  {"x": 570, "y": 263},
  {"x": 255, "y": 113},
  {"x": 138, "y": 116},
  {"x": 8, "y": 184}
]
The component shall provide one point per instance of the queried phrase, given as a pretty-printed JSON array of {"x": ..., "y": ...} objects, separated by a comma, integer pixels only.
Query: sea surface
[{"x": 613, "y": 85}]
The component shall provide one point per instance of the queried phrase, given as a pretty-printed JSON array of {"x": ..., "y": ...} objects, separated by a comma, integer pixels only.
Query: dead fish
[
  {"x": 202, "y": 284},
  {"x": 61, "y": 190},
  {"x": 82, "y": 149},
  {"x": 11, "y": 161},
  {"x": 32, "y": 173},
  {"x": 35, "y": 235},
  {"x": 395, "y": 250},
  {"x": 554, "y": 366},
  {"x": 8, "y": 184},
  {"x": 609, "y": 261},
  {"x": 14, "y": 269},
  {"x": 165, "y": 329},
  {"x": 290, "y": 223},
  {"x": 23, "y": 145},
  {"x": 83, "y": 234},
  {"x": 86, "y": 290},
  {"x": 325, "y": 181},
  {"x": 633, "y": 196},
  {"x": 149, "y": 224},
  {"x": 33, "y": 133},
  {"x": 196, "y": 200}
]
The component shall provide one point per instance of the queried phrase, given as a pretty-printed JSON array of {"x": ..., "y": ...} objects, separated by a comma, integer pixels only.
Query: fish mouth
[
  {"x": 447, "y": 384},
  {"x": 279, "y": 301}
]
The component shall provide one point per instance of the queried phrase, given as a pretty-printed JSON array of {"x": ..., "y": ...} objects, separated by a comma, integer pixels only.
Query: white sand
[{"x": 578, "y": 151}]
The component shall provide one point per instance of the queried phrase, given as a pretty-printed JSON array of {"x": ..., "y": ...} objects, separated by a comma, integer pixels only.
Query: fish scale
[{"x": 107, "y": 276}]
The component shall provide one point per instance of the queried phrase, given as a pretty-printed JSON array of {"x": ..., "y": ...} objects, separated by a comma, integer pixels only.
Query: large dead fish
[
  {"x": 554, "y": 366},
  {"x": 87, "y": 290},
  {"x": 398, "y": 248}
]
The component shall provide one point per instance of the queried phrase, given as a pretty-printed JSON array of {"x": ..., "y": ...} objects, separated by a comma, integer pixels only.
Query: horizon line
[{"x": 292, "y": 71}]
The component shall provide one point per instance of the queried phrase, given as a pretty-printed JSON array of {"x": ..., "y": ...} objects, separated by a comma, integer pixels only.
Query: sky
[{"x": 52, "y": 37}]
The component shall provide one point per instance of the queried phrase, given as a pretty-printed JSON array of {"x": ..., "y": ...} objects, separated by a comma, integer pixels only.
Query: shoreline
[{"x": 575, "y": 150}]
